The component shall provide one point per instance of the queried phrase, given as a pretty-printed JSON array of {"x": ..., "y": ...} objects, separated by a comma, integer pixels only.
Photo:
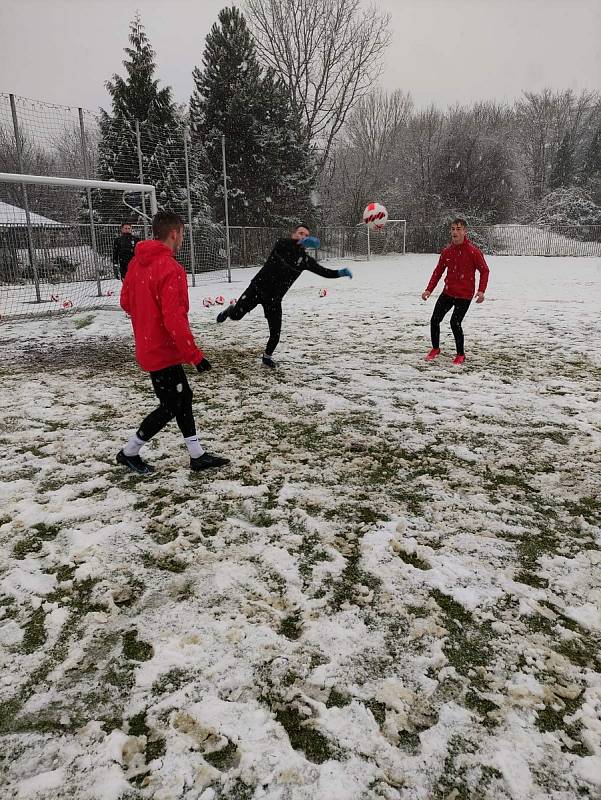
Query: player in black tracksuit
[
  {"x": 123, "y": 250},
  {"x": 286, "y": 262}
]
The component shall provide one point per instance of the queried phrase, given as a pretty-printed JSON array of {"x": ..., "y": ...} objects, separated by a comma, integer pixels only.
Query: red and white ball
[
  {"x": 323, "y": 292},
  {"x": 375, "y": 216},
  {"x": 208, "y": 302},
  {"x": 219, "y": 300}
]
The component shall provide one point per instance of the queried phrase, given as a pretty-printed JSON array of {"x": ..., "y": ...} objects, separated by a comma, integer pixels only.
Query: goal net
[
  {"x": 54, "y": 255},
  {"x": 390, "y": 240}
]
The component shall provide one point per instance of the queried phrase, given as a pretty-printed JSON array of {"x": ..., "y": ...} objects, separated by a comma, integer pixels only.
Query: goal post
[
  {"x": 52, "y": 236},
  {"x": 392, "y": 238}
]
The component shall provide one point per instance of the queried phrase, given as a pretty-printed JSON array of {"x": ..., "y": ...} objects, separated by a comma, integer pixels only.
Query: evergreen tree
[
  {"x": 591, "y": 167},
  {"x": 138, "y": 97},
  {"x": 269, "y": 165},
  {"x": 562, "y": 173}
]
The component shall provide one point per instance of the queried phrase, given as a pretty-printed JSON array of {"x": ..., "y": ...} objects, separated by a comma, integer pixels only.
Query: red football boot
[{"x": 435, "y": 351}]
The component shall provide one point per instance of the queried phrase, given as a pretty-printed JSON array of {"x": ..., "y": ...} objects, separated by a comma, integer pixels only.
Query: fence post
[
  {"x": 227, "y": 222},
  {"x": 368, "y": 245},
  {"x": 86, "y": 173},
  {"x": 244, "y": 259},
  {"x": 548, "y": 246},
  {"x": 141, "y": 170},
  {"x": 19, "y": 144},
  {"x": 192, "y": 259}
]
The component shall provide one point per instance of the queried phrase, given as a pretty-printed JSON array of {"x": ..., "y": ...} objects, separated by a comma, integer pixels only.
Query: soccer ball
[
  {"x": 219, "y": 300},
  {"x": 323, "y": 292},
  {"x": 375, "y": 216},
  {"x": 208, "y": 302}
]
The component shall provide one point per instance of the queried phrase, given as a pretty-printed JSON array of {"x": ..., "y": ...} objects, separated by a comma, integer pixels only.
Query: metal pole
[
  {"x": 227, "y": 221},
  {"x": 86, "y": 171},
  {"x": 368, "y": 245},
  {"x": 19, "y": 143},
  {"x": 244, "y": 259},
  {"x": 404, "y": 237},
  {"x": 192, "y": 259},
  {"x": 139, "y": 146}
]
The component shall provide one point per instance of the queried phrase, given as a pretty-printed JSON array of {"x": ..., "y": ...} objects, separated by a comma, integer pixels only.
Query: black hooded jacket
[{"x": 285, "y": 264}]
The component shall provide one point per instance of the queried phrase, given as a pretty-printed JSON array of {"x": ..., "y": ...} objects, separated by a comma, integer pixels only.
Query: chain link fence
[{"x": 56, "y": 242}]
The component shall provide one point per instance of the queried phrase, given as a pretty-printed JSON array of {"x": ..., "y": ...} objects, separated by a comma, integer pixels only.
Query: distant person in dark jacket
[
  {"x": 287, "y": 261},
  {"x": 123, "y": 250}
]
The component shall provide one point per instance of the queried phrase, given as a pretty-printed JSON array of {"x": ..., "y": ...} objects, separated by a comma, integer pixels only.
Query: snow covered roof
[{"x": 14, "y": 215}]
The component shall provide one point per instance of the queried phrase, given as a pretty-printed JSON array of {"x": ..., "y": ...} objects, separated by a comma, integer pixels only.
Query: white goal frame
[
  {"x": 76, "y": 183},
  {"x": 404, "y": 221}
]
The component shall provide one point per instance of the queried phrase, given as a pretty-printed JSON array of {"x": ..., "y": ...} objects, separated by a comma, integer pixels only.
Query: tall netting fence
[
  {"x": 513, "y": 239},
  {"x": 56, "y": 242}
]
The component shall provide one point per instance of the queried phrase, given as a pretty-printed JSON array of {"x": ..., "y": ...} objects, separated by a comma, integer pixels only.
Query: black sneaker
[
  {"x": 223, "y": 315},
  {"x": 134, "y": 463},
  {"x": 207, "y": 461},
  {"x": 269, "y": 362}
]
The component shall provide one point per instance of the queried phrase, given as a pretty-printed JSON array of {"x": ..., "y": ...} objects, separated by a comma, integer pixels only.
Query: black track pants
[
  {"x": 272, "y": 309},
  {"x": 443, "y": 305},
  {"x": 175, "y": 402}
]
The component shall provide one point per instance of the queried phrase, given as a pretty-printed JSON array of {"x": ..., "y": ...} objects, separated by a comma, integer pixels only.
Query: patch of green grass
[
  {"x": 46, "y": 532},
  {"x": 35, "y": 632},
  {"x": 413, "y": 560},
  {"x": 136, "y": 649},
  {"x": 83, "y": 321},
  {"x": 155, "y": 745},
  {"x": 303, "y": 737},
  {"x": 378, "y": 711},
  {"x": 337, "y": 699},
  {"x": 469, "y": 642},
  {"x": 292, "y": 625},
  {"x": 29, "y": 544},
  {"x": 167, "y": 563},
  {"x": 223, "y": 759}
]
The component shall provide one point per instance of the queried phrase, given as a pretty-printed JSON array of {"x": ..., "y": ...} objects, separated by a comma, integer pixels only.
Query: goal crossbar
[{"x": 80, "y": 183}]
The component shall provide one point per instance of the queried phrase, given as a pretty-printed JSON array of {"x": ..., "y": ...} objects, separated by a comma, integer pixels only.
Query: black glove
[{"x": 203, "y": 365}]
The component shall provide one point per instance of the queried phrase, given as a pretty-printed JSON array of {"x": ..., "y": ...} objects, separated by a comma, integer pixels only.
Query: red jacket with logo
[
  {"x": 461, "y": 262},
  {"x": 155, "y": 295}
]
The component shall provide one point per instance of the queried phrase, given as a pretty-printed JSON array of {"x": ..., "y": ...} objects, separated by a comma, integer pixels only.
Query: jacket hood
[{"x": 148, "y": 251}]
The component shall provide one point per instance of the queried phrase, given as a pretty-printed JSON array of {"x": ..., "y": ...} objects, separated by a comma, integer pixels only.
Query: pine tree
[
  {"x": 562, "y": 173},
  {"x": 269, "y": 166},
  {"x": 138, "y": 97},
  {"x": 591, "y": 167}
]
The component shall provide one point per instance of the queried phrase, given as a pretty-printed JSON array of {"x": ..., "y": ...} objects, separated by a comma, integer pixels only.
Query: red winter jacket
[
  {"x": 155, "y": 295},
  {"x": 461, "y": 262}
]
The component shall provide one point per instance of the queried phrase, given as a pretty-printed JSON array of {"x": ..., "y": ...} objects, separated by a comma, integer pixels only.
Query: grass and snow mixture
[{"x": 394, "y": 591}]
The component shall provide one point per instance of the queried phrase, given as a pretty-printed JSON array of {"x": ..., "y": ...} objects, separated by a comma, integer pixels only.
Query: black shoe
[
  {"x": 268, "y": 362},
  {"x": 134, "y": 463},
  {"x": 223, "y": 315},
  {"x": 207, "y": 461}
]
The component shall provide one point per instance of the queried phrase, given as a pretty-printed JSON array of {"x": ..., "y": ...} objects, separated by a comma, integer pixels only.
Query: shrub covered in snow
[{"x": 569, "y": 205}]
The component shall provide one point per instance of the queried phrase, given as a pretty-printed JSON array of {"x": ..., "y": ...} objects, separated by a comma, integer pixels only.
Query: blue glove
[
  {"x": 345, "y": 273},
  {"x": 312, "y": 242}
]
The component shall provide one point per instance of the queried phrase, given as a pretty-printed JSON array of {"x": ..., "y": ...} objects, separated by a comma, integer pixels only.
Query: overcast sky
[{"x": 442, "y": 51}]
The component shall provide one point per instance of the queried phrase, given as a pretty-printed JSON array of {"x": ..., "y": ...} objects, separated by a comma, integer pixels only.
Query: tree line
[{"x": 291, "y": 85}]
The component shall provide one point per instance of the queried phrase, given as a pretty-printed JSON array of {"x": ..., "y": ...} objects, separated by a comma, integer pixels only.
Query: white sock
[
  {"x": 133, "y": 447},
  {"x": 194, "y": 446}
]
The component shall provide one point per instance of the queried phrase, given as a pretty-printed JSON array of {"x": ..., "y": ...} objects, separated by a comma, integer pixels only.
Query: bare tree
[
  {"x": 543, "y": 121},
  {"x": 328, "y": 53},
  {"x": 361, "y": 166}
]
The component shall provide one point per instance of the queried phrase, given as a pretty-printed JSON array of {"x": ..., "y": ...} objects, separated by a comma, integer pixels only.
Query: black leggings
[
  {"x": 443, "y": 305},
  {"x": 175, "y": 398},
  {"x": 271, "y": 308}
]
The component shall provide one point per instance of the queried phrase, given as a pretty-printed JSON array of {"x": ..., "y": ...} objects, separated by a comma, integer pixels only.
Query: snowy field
[{"x": 394, "y": 591}]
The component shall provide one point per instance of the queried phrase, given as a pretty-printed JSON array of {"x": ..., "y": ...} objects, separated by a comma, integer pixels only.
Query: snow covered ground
[{"x": 393, "y": 592}]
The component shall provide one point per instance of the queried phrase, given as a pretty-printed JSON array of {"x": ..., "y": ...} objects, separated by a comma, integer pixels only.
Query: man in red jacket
[
  {"x": 460, "y": 259},
  {"x": 155, "y": 295}
]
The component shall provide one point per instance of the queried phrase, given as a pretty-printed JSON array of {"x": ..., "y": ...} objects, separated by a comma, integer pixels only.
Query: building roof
[{"x": 14, "y": 215}]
